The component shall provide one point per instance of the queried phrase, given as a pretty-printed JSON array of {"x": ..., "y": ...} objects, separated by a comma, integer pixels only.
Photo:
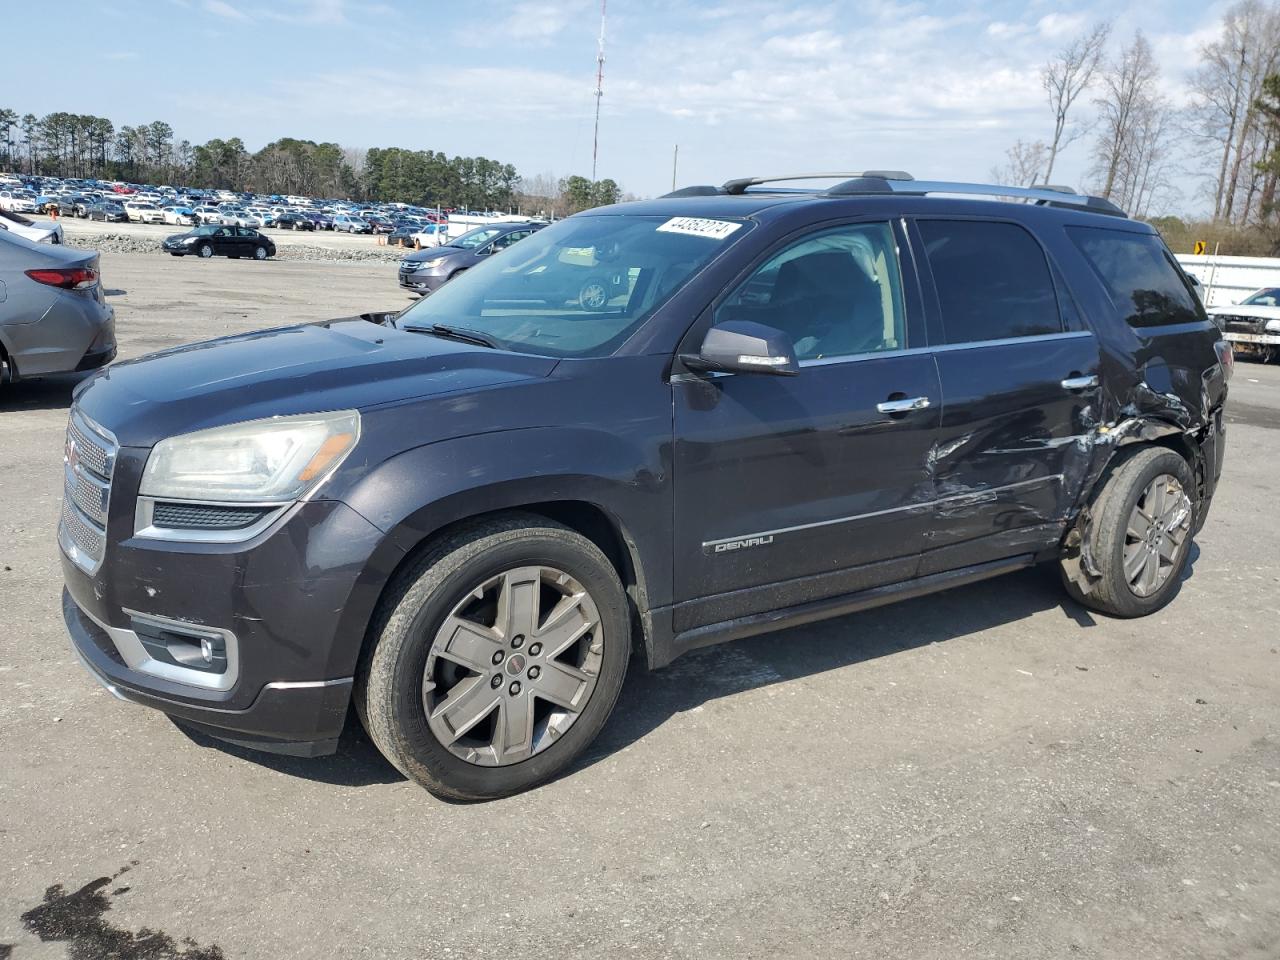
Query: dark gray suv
[
  {"x": 426, "y": 270},
  {"x": 468, "y": 518}
]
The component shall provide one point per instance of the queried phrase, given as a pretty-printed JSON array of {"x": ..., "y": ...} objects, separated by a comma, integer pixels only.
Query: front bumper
[
  {"x": 422, "y": 282},
  {"x": 1252, "y": 339},
  {"x": 290, "y": 605},
  {"x": 301, "y": 719}
]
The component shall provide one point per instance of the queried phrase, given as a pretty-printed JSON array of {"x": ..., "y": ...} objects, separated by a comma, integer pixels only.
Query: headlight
[
  {"x": 1273, "y": 326},
  {"x": 190, "y": 239},
  {"x": 433, "y": 262},
  {"x": 274, "y": 460}
]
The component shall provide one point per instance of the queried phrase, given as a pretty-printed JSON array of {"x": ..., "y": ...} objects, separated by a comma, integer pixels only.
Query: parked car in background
[
  {"x": 17, "y": 200},
  {"x": 18, "y": 225},
  {"x": 222, "y": 240},
  {"x": 427, "y": 270},
  {"x": 108, "y": 211},
  {"x": 323, "y": 221},
  {"x": 75, "y": 204},
  {"x": 207, "y": 214},
  {"x": 1253, "y": 324},
  {"x": 179, "y": 216},
  {"x": 349, "y": 223},
  {"x": 53, "y": 316},
  {"x": 239, "y": 218},
  {"x": 379, "y": 224},
  {"x": 431, "y": 235},
  {"x": 293, "y": 221},
  {"x": 142, "y": 211}
]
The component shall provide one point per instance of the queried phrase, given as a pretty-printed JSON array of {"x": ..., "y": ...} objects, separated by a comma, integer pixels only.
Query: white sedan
[
  {"x": 179, "y": 216},
  {"x": 1253, "y": 323},
  {"x": 17, "y": 201},
  {"x": 240, "y": 218}
]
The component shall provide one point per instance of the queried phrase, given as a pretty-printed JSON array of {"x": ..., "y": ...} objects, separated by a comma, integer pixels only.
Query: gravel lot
[{"x": 991, "y": 772}]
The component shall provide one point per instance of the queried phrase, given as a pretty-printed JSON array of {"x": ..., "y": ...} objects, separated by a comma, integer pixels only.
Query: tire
[
  {"x": 594, "y": 295},
  {"x": 205, "y": 251},
  {"x": 1118, "y": 528},
  {"x": 259, "y": 253},
  {"x": 394, "y": 691}
]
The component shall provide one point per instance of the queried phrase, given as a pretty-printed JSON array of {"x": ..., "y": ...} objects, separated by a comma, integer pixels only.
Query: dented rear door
[{"x": 1019, "y": 388}]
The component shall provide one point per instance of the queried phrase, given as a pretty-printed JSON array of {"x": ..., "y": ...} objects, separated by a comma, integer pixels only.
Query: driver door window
[{"x": 836, "y": 293}]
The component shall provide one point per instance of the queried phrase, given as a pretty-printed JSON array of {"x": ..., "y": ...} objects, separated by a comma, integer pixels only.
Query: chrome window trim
[
  {"x": 948, "y": 347},
  {"x": 976, "y": 494}
]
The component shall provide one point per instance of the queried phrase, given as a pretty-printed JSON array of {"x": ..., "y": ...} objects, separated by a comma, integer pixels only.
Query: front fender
[{"x": 421, "y": 491}]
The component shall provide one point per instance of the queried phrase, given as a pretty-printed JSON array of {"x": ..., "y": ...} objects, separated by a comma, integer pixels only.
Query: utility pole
[
  {"x": 595, "y": 139},
  {"x": 675, "y": 160}
]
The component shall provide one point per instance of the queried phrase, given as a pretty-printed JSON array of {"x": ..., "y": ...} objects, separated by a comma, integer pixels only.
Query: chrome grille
[
  {"x": 89, "y": 461},
  {"x": 86, "y": 537}
]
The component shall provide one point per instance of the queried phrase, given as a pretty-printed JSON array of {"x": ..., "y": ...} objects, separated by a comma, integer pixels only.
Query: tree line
[
  {"x": 1227, "y": 138},
  {"x": 85, "y": 146}
]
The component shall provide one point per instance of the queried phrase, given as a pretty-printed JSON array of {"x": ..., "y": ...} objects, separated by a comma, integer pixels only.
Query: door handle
[
  {"x": 1074, "y": 384},
  {"x": 903, "y": 406}
]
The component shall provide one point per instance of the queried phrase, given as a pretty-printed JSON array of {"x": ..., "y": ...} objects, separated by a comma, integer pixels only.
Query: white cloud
[
  {"x": 534, "y": 20},
  {"x": 220, "y": 8},
  {"x": 1056, "y": 26},
  {"x": 820, "y": 43}
]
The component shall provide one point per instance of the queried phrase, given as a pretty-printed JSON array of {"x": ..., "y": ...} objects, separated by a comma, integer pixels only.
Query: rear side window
[
  {"x": 992, "y": 279},
  {"x": 1139, "y": 274}
]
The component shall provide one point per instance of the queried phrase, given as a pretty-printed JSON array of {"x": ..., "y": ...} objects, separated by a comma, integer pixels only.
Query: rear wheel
[
  {"x": 498, "y": 657},
  {"x": 259, "y": 253},
  {"x": 1141, "y": 536}
]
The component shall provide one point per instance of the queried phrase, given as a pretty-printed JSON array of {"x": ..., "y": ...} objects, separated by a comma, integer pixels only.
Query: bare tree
[
  {"x": 1128, "y": 91},
  {"x": 1226, "y": 87},
  {"x": 1024, "y": 164},
  {"x": 1064, "y": 79}
]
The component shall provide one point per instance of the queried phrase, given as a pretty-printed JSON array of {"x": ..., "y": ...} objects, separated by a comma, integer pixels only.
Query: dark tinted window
[
  {"x": 992, "y": 278},
  {"x": 1139, "y": 274}
]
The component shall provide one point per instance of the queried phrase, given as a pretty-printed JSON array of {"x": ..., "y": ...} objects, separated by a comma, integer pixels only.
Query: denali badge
[{"x": 724, "y": 546}]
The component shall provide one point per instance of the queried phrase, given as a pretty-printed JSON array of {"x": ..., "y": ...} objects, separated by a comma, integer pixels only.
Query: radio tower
[{"x": 595, "y": 139}]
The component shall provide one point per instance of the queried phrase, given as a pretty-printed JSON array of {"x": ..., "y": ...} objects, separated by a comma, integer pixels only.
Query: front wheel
[
  {"x": 497, "y": 658},
  {"x": 205, "y": 251}
]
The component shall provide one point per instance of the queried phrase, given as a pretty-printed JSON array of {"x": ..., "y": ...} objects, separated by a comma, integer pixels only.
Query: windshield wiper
[{"x": 457, "y": 333}]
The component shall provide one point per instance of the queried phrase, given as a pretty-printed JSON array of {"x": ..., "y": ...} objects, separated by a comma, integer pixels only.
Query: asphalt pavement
[{"x": 990, "y": 772}]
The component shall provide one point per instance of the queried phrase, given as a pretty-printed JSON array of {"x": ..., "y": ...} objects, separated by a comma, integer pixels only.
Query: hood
[
  {"x": 433, "y": 253},
  {"x": 338, "y": 365},
  {"x": 1245, "y": 310}
]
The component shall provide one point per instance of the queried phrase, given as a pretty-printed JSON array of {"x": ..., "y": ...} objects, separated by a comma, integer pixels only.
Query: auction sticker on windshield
[{"x": 700, "y": 227}]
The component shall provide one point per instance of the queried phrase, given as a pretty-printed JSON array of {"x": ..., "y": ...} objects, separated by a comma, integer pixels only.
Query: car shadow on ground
[
  {"x": 45, "y": 393},
  {"x": 651, "y": 698}
]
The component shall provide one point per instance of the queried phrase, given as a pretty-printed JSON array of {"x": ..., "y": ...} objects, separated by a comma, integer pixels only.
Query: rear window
[
  {"x": 1142, "y": 278},
  {"x": 992, "y": 280}
]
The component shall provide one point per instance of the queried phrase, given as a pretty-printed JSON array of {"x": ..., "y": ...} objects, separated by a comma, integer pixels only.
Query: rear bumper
[{"x": 76, "y": 333}]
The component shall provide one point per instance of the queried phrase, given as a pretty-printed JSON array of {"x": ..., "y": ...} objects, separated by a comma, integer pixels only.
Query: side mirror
[{"x": 743, "y": 346}]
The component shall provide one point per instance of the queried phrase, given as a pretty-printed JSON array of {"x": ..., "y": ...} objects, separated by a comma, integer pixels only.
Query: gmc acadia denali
[{"x": 793, "y": 404}]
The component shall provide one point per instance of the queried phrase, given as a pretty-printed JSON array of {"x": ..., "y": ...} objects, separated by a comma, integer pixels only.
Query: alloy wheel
[
  {"x": 1155, "y": 534},
  {"x": 513, "y": 666}
]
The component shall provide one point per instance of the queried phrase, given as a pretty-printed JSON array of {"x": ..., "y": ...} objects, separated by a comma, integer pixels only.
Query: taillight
[
  {"x": 69, "y": 278},
  {"x": 1226, "y": 358}
]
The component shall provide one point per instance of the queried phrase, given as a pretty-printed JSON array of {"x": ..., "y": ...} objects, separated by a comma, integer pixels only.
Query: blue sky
[{"x": 744, "y": 86}]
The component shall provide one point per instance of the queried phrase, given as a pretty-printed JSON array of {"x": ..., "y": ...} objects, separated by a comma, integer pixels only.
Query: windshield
[
  {"x": 475, "y": 238},
  {"x": 578, "y": 288},
  {"x": 1264, "y": 298}
]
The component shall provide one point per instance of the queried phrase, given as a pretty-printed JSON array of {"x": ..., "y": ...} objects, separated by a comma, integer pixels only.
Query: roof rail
[
  {"x": 740, "y": 185},
  {"x": 1043, "y": 195}
]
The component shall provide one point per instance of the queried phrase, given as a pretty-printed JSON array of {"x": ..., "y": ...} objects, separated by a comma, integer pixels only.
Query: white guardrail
[{"x": 1228, "y": 280}]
